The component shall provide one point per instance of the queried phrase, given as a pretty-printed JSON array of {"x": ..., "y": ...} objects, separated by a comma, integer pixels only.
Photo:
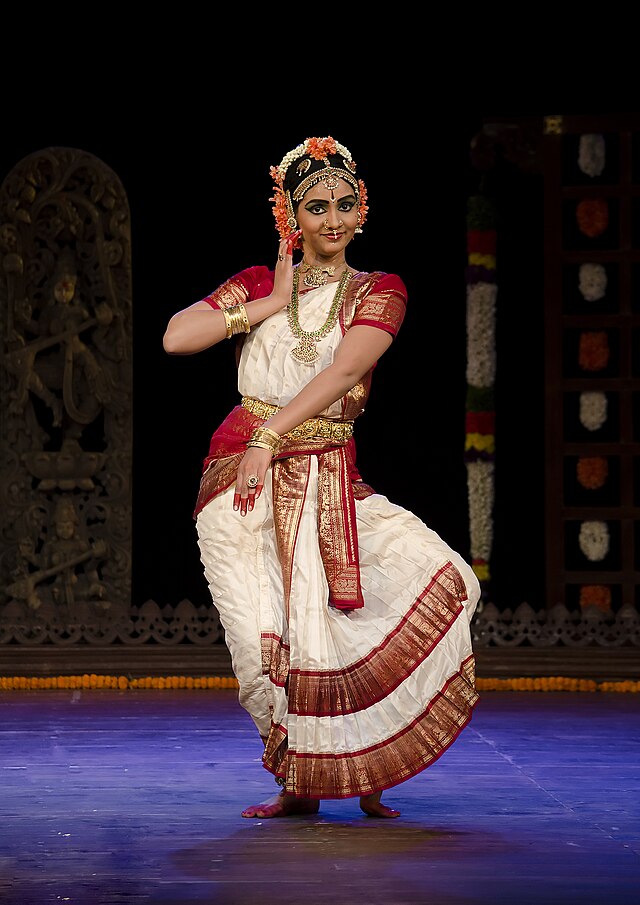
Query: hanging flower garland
[{"x": 479, "y": 451}]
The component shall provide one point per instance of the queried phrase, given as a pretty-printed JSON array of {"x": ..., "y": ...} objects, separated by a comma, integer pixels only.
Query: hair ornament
[{"x": 323, "y": 160}]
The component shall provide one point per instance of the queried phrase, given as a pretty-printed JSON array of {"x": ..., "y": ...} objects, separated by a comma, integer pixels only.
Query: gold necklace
[
  {"x": 306, "y": 350},
  {"x": 317, "y": 276}
]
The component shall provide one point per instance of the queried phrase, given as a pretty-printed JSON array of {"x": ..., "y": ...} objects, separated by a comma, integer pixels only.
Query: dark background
[{"x": 198, "y": 185}]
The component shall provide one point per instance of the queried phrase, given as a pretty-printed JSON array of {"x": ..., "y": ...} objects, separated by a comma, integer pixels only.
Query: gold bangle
[
  {"x": 244, "y": 318},
  {"x": 228, "y": 322},
  {"x": 270, "y": 433},
  {"x": 237, "y": 320},
  {"x": 265, "y": 438},
  {"x": 262, "y": 445}
]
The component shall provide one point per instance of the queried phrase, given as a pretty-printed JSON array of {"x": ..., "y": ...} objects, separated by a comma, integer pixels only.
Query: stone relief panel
[{"x": 66, "y": 381}]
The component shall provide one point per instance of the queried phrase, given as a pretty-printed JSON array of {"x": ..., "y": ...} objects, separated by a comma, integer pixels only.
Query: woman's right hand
[{"x": 283, "y": 280}]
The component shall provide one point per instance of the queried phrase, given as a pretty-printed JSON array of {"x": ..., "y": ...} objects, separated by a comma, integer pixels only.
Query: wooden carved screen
[
  {"x": 66, "y": 426},
  {"x": 592, "y": 359}
]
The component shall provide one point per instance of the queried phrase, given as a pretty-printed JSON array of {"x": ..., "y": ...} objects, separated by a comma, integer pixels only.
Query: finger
[
  {"x": 292, "y": 239},
  {"x": 236, "y": 501}
]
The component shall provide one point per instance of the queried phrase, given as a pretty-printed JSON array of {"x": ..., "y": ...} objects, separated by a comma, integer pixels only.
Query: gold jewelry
[
  {"x": 252, "y": 480},
  {"x": 236, "y": 320},
  {"x": 265, "y": 438},
  {"x": 316, "y": 276},
  {"x": 228, "y": 322},
  {"x": 318, "y": 428},
  {"x": 331, "y": 228},
  {"x": 281, "y": 257},
  {"x": 306, "y": 350}
]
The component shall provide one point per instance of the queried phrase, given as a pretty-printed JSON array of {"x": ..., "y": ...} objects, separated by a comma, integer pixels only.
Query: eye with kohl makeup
[{"x": 322, "y": 207}]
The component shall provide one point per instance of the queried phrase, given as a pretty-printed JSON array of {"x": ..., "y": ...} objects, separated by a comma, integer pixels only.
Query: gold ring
[
  {"x": 281, "y": 257},
  {"x": 252, "y": 480}
]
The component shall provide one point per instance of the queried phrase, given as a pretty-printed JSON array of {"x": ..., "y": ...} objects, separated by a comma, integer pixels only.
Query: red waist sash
[{"x": 339, "y": 485}]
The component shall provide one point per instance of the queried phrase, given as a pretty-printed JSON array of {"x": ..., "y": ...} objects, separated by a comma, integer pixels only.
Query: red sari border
[{"x": 387, "y": 763}]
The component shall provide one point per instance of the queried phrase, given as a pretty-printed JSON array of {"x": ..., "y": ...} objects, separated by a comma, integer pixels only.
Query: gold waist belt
[{"x": 312, "y": 428}]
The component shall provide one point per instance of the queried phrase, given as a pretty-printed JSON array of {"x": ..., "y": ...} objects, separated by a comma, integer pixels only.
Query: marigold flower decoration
[
  {"x": 597, "y": 595},
  {"x": 593, "y": 354},
  {"x": 592, "y": 215},
  {"x": 479, "y": 451},
  {"x": 318, "y": 149},
  {"x": 207, "y": 683},
  {"x": 592, "y": 471}
]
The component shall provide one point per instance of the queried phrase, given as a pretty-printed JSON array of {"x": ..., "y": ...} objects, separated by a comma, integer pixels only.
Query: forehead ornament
[{"x": 316, "y": 160}]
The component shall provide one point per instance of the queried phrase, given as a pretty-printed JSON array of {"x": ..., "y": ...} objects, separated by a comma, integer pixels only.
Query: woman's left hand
[{"x": 250, "y": 478}]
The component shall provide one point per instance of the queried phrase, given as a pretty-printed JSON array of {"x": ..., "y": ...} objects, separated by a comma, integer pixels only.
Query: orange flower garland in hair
[
  {"x": 318, "y": 149},
  {"x": 594, "y": 350},
  {"x": 592, "y": 471},
  {"x": 280, "y": 205},
  {"x": 593, "y": 216}
]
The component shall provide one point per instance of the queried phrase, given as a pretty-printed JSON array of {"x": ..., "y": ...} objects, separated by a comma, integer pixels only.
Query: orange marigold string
[
  {"x": 592, "y": 471},
  {"x": 593, "y": 354},
  {"x": 164, "y": 683},
  {"x": 592, "y": 215}
]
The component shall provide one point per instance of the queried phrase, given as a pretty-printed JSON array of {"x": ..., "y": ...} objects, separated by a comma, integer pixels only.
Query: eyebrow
[{"x": 326, "y": 200}]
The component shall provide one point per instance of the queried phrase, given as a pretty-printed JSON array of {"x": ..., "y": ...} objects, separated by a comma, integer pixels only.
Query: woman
[{"x": 346, "y": 617}]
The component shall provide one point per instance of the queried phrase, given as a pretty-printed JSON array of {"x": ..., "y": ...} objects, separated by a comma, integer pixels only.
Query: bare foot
[
  {"x": 283, "y": 805},
  {"x": 372, "y": 806}
]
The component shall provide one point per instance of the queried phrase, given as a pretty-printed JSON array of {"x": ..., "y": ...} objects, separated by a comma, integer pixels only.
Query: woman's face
[{"x": 328, "y": 219}]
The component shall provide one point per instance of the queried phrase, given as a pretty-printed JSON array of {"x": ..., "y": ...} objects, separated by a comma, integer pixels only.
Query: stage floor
[{"x": 135, "y": 797}]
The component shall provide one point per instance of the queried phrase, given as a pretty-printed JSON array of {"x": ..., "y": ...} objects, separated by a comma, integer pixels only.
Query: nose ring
[{"x": 326, "y": 225}]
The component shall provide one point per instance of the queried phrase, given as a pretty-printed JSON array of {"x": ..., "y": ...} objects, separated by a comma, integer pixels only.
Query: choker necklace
[
  {"x": 306, "y": 350},
  {"x": 316, "y": 276}
]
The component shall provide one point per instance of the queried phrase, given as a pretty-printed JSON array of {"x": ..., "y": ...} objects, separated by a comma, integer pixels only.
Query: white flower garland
[
  {"x": 591, "y": 154},
  {"x": 481, "y": 496},
  {"x": 481, "y": 355},
  {"x": 593, "y": 410},
  {"x": 288, "y": 158},
  {"x": 594, "y": 540},
  {"x": 592, "y": 282}
]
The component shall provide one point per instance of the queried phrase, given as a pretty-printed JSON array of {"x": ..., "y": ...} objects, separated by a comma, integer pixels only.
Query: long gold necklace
[{"x": 306, "y": 350}]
